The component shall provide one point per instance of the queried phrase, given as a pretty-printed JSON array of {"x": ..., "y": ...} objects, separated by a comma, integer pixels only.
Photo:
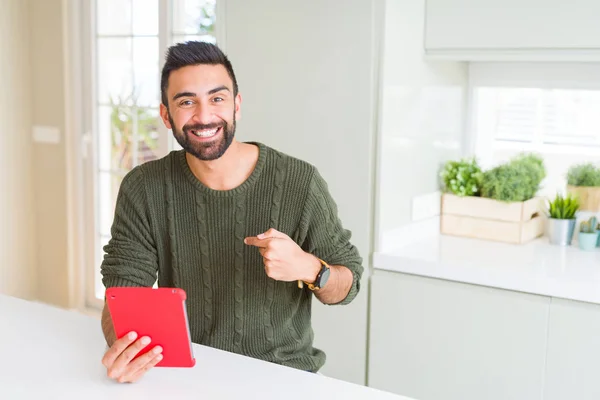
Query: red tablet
[{"x": 157, "y": 313}]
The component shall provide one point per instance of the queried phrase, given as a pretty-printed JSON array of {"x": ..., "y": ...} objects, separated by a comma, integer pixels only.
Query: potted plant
[
  {"x": 517, "y": 180},
  {"x": 561, "y": 219},
  {"x": 588, "y": 234},
  {"x": 498, "y": 204},
  {"x": 583, "y": 181},
  {"x": 462, "y": 178}
]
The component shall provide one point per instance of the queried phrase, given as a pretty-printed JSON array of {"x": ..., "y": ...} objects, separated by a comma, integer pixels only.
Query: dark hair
[{"x": 193, "y": 53}]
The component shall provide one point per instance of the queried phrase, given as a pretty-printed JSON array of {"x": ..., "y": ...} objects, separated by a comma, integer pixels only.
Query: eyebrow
[
  {"x": 183, "y": 94},
  {"x": 192, "y": 94},
  {"x": 218, "y": 89}
]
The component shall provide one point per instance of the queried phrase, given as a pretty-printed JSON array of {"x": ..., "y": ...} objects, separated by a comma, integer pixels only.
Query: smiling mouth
[{"x": 205, "y": 133}]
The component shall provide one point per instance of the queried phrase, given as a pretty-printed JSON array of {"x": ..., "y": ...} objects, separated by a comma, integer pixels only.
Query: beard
[{"x": 204, "y": 151}]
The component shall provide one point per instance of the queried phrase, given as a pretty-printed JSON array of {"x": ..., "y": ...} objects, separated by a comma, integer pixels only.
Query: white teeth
[{"x": 205, "y": 133}]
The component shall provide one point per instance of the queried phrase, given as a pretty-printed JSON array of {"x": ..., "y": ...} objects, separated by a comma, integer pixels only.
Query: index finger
[
  {"x": 254, "y": 241},
  {"x": 117, "y": 348}
]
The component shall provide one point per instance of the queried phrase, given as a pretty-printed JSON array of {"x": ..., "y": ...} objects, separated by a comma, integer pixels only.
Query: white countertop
[
  {"x": 535, "y": 267},
  {"x": 49, "y": 353}
]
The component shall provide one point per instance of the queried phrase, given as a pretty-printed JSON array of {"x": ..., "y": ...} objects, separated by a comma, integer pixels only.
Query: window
[
  {"x": 129, "y": 39},
  {"x": 542, "y": 116},
  {"x": 550, "y": 109}
]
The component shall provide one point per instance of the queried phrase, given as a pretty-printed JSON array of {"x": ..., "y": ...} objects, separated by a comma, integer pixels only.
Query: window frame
[{"x": 84, "y": 236}]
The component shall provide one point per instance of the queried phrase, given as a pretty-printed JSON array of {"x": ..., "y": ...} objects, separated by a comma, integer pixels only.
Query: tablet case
[{"x": 157, "y": 313}]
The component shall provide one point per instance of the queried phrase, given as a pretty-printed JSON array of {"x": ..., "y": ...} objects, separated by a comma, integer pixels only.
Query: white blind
[{"x": 541, "y": 115}]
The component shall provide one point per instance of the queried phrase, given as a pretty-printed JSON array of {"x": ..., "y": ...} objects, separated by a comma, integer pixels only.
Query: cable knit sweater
[{"x": 169, "y": 226}]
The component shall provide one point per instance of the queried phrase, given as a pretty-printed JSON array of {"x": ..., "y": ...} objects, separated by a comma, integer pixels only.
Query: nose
[{"x": 203, "y": 115}]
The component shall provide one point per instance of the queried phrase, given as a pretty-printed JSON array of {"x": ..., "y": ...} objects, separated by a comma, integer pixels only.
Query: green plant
[
  {"x": 517, "y": 180},
  {"x": 588, "y": 226},
  {"x": 462, "y": 178},
  {"x": 563, "y": 207},
  {"x": 583, "y": 175},
  {"x": 206, "y": 18},
  {"x": 134, "y": 133}
]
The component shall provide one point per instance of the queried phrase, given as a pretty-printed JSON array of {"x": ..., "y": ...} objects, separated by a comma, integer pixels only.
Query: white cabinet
[
  {"x": 572, "y": 368},
  {"x": 437, "y": 340},
  {"x": 557, "y": 29}
]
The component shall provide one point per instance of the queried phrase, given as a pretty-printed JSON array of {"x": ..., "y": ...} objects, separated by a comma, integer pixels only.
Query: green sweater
[{"x": 169, "y": 226}]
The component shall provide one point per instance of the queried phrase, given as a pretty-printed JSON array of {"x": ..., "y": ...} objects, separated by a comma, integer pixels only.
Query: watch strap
[{"x": 313, "y": 286}]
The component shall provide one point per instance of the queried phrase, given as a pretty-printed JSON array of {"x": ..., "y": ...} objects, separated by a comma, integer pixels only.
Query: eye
[
  {"x": 186, "y": 103},
  {"x": 218, "y": 99}
]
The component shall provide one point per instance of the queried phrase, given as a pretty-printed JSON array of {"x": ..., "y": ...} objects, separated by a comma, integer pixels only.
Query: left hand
[{"x": 284, "y": 260}]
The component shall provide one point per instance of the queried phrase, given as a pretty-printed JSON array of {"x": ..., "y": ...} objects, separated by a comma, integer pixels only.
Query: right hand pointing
[{"x": 118, "y": 359}]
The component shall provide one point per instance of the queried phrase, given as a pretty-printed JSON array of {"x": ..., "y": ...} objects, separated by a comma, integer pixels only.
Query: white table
[{"x": 50, "y": 353}]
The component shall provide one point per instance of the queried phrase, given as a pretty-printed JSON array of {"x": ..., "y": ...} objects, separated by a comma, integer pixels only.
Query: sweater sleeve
[
  {"x": 326, "y": 238},
  {"x": 130, "y": 257}
]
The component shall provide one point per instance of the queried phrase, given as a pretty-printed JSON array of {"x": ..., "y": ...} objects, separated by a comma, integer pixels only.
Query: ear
[
  {"x": 164, "y": 114},
  {"x": 238, "y": 103}
]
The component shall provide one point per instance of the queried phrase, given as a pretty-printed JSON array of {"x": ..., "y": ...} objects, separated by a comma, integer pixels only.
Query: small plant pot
[
  {"x": 560, "y": 231},
  {"x": 588, "y": 241}
]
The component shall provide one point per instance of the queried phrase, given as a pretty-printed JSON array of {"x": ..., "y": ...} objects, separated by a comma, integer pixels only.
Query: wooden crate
[
  {"x": 481, "y": 218},
  {"x": 589, "y": 197}
]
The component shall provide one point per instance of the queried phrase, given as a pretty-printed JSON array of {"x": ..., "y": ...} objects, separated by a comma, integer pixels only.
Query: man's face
[{"x": 202, "y": 110}]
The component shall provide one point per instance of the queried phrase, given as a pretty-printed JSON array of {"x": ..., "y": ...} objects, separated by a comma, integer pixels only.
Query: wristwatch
[{"x": 321, "y": 279}]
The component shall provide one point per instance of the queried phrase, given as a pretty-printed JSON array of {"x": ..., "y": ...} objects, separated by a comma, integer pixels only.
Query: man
[{"x": 250, "y": 234}]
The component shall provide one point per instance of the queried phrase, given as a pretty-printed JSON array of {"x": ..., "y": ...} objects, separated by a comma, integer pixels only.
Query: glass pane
[
  {"x": 114, "y": 17},
  {"x": 104, "y": 137},
  {"x": 145, "y": 17},
  {"x": 108, "y": 188},
  {"x": 114, "y": 70},
  {"x": 99, "y": 287},
  {"x": 514, "y": 111},
  {"x": 145, "y": 72},
  {"x": 147, "y": 128},
  {"x": 571, "y": 117},
  {"x": 194, "y": 17},
  {"x": 187, "y": 38},
  {"x": 105, "y": 208},
  {"x": 122, "y": 132}
]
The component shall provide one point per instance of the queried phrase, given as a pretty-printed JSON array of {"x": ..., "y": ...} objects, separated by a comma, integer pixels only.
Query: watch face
[{"x": 324, "y": 277}]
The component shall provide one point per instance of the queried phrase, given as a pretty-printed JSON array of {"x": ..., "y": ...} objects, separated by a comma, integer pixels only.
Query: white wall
[
  {"x": 422, "y": 115},
  {"x": 49, "y": 161},
  {"x": 306, "y": 73},
  {"x": 17, "y": 232}
]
